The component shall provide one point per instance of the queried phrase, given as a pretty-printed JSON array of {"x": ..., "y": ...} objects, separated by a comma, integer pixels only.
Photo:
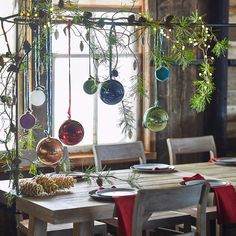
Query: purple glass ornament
[
  {"x": 71, "y": 132},
  {"x": 27, "y": 120},
  {"x": 111, "y": 92}
]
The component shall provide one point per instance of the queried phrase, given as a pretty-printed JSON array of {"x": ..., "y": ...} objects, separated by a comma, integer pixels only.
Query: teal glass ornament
[
  {"x": 111, "y": 92},
  {"x": 90, "y": 86},
  {"x": 155, "y": 119},
  {"x": 162, "y": 73}
]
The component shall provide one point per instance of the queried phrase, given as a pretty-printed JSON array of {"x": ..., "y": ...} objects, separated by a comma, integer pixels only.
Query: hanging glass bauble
[
  {"x": 155, "y": 119},
  {"x": 71, "y": 132},
  {"x": 90, "y": 86},
  {"x": 37, "y": 97},
  {"x": 111, "y": 92},
  {"x": 162, "y": 73},
  {"x": 49, "y": 151},
  {"x": 27, "y": 120}
]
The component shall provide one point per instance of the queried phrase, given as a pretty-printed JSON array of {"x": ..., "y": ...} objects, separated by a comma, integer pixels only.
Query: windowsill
[
  {"x": 87, "y": 159},
  {"x": 79, "y": 161}
]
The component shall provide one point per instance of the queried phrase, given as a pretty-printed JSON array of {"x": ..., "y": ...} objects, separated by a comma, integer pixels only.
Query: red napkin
[
  {"x": 226, "y": 204},
  {"x": 213, "y": 159},
  {"x": 125, "y": 206},
  {"x": 225, "y": 201},
  {"x": 194, "y": 177}
]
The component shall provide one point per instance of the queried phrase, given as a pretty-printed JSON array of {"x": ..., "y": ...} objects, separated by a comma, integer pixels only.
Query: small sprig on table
[{"x": 102, "y": 177}]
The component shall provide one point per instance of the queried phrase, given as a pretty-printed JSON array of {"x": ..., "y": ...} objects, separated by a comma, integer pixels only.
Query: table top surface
[{"x": 76, "y": 204}]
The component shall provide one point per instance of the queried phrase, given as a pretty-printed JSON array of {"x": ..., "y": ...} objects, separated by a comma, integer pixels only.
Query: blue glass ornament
[
  {"x": 155, "y": 119},
  {"x": 162, "y": 73},
  {"x": 111, "y": 92}
]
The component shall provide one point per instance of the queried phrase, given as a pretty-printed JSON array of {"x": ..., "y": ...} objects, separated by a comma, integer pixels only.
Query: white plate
[
  {"x": 212, "y": 182},
  {"x": 230, "y": 161},
  {"x": 115, "y": 192},
  {"x": 153, "y": 167}
]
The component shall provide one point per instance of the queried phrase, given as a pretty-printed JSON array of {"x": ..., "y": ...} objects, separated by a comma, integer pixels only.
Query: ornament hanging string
[
  {"x": 89, "y": 53},
  {"x": 161, "y": 42},
  {"x": 27, "y": 82},
  {"x": 157, "y": 43},
  {"x": 110, "y": 50},
  {"x": 37, "y": 54},
  {"x": 49, "y": 83},
  {"x": 69, "y": 55},
  {"x": 27, "y": 72}
]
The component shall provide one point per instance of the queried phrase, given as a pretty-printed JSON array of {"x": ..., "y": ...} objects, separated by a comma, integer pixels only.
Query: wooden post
[{"x": 218, "y": 12}]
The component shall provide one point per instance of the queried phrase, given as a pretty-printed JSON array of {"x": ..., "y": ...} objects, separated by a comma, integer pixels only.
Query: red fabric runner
[
  {"x": 125, "y": 206},
  {"x": 226, "y": 204}
]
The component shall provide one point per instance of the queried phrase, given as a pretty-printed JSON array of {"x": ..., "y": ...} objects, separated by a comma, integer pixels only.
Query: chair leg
[
  {"x": 219, "y": 230},
  {"x": 187, "y": 228}
]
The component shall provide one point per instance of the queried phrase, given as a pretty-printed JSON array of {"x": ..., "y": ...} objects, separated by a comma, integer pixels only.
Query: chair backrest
[
  {"x": 120, "y": 151},
  {"x": 157, "y": 200},
  {"x": 190, "y": 145}
]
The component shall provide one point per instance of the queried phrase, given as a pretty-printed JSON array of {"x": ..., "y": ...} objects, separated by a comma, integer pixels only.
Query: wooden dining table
[{"x": 75, "y": 205}]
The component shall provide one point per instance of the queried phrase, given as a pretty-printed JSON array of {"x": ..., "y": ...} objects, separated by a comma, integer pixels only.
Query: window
[{"x": 100, "y": 121}]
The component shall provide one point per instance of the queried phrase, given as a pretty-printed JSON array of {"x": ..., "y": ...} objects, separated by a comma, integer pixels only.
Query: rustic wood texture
[
  {"x": 189, "y": 146},
  {"x": 119, "y": 151},
  {"x": 148, "y": 201},
  {"x": 175, "y": 94},
  {"x": 75, "y": 205}
]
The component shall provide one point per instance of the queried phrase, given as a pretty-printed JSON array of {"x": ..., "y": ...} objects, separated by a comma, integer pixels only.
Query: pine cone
[
  {"x": 31, "y": 188},
  {"x": 48, "y": 183},
  {"x": 63, "y": 181}
]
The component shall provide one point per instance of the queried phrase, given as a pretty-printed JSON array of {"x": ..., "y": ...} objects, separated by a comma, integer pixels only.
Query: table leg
[
  {"x": 37, "y": 227},
  {"x": 83, "y": 228}
]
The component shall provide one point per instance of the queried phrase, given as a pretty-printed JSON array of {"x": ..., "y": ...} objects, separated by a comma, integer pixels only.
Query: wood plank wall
[
  {"x": 175, "y": 94},
  {"x": 231, "y": 107}
]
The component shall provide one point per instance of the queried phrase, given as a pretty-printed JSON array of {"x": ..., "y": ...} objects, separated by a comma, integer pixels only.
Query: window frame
[{"x": 148, "y": 138}]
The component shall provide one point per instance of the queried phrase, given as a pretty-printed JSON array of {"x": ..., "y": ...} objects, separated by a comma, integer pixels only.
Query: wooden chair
[
  {"x": 190, "y": 145},
  {"x": 177, "y": 146},
  {"x": 149, "y": 201},
  {"x": 121, "y": 151},
  {"x": 135, "y": 150}
]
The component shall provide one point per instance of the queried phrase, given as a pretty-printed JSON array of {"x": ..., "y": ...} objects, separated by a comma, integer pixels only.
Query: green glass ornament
[
  {"x": 155, "y": 119},
  {"x": 90, "y": 86}
]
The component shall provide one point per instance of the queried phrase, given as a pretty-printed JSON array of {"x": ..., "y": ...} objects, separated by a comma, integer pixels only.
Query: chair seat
[
  {"x": 161, "y": 219},
  {"x": 62, "y": 229},
  {"x": 168, "y": 218},
  {"x": 210, "y": 212}
]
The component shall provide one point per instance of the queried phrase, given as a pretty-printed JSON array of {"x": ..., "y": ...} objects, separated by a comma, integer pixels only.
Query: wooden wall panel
[{"x": 175, "y": 94}]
